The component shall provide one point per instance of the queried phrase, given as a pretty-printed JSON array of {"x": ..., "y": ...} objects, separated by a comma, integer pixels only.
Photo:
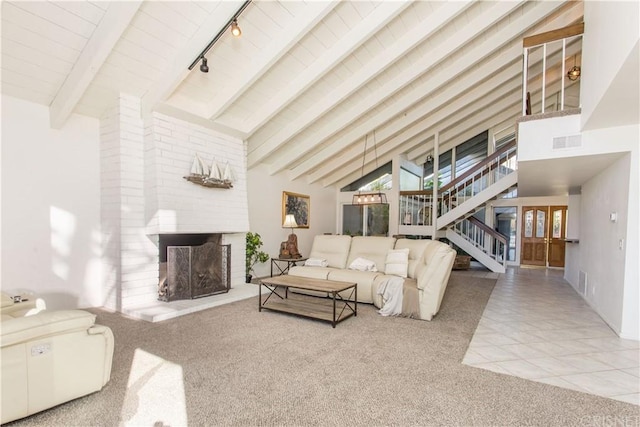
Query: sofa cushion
[
  {"x": 397, "y": 262},
  {"x": 416, "y": 252},
  {"x": 335, "y": 249},
  {"x": 310, "y": 272},
  {"x": 364, "y": 280},
  {"x": 373, "y": 248}
]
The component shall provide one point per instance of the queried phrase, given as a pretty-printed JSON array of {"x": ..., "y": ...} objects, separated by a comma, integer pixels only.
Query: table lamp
[{"x": 289, "y": 249}]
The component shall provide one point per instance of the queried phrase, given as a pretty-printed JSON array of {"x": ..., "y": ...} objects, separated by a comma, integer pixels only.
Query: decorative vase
[{"x": 248, "y": 278}]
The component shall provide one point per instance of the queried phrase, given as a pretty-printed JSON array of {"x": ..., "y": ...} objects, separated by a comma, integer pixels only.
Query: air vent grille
[
  {"x": 571, "y": 141},
  {"x": 582, "y": 283}
]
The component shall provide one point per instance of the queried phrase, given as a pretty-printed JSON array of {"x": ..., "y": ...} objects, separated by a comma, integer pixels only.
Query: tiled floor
[{"x": 535, "y": 326}]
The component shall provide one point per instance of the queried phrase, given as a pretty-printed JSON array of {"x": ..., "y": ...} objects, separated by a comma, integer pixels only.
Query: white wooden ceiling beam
[
  {"x": 496, "y": 114},
  {"x": 472, "y": 30},
  {"x": 313, "y": 14},
  {"x": 466, "y": 66},
  {"x": 357, "y": 35},
  {"x": 431, "y": 114},
  {"x": 360, "y": 78},
  {"x": 482, "y": 97},
  {"x": 456, "y": 123},
  {"x": 178, "y": 70},
  {"x": 348, "y": 175},
  {"x": 327, "y": 155},
  {"x": 105, "y": 36}
]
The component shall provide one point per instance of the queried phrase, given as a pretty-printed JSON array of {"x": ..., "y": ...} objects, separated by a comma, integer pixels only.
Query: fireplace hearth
[{"x": 195, "y": 266}]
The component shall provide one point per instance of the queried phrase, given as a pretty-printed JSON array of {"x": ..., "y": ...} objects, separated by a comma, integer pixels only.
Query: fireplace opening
[{"x": 193, "y": 266}]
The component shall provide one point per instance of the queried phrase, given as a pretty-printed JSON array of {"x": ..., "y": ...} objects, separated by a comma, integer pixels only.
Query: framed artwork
[{"x": 297, "y": 205}]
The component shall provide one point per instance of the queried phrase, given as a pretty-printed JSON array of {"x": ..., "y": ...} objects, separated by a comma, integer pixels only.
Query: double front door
[{"x": 544, "y": 229}]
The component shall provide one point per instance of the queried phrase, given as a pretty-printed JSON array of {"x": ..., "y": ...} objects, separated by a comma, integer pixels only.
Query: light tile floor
[{"x": 535, "y": 326}]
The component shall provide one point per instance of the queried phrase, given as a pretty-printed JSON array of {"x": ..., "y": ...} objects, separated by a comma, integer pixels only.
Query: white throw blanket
[{"x": 391, "y": 291}]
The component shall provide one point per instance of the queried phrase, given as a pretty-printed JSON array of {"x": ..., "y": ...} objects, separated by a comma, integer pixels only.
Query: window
[
  {"x": 467, "y": 155},
  {"x": 379, "y": 179},
  {"x": 366, "y": 220}
]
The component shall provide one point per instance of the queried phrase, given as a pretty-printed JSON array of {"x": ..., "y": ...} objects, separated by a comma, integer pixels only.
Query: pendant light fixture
[
  {"x": 574, "y": 73},
  {"x": 369, "y": 198}
]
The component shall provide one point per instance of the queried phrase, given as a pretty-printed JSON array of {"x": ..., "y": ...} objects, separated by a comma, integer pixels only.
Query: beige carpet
[{"x": 232, "y": 365}]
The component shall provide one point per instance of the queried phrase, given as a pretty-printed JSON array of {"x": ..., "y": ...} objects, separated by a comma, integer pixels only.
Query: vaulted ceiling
[{"x": 306, "y": 83}]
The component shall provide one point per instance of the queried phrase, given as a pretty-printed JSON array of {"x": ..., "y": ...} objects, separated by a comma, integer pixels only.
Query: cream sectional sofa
[
  {"x": 429, "y": 267},
  {"x": 48, "y": 357}
]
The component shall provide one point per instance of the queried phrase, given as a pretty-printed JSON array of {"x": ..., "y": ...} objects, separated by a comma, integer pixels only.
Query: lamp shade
[{"x": 290, "y": 221}]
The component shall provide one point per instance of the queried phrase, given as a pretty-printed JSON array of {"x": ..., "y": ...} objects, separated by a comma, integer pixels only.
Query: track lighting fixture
[
  {"x": 204, "y": 67},
  {"x": 235, "y": 29}
]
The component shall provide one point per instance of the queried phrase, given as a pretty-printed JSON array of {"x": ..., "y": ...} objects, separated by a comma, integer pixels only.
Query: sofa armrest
[
  {"x": 432, "y": 278},
  {"x": 44, "y": 324}
]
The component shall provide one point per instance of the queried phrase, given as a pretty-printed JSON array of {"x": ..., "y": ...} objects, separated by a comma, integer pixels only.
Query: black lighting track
[{"x": 220, "y": 33}]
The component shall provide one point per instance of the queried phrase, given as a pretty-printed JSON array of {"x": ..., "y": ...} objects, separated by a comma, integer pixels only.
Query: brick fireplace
[{"x": 144, "y": 196}]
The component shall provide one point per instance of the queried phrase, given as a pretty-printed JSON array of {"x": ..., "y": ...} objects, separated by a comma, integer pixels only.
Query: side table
[{"x": 281, "y": 268}]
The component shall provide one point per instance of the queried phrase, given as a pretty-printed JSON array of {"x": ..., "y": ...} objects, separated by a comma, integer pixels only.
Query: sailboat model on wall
[{"x": 211, "y": 177}]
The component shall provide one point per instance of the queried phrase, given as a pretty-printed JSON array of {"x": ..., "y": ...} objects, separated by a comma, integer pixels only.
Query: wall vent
[
  {"x": 571, "y": 141},
  {"x": 582, "y": 283}
]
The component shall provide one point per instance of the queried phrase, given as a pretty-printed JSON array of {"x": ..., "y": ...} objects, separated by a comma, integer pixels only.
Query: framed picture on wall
[{"x": 297, "y": 205}]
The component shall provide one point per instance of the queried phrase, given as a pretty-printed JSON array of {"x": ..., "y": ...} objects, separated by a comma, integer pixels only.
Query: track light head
[
  {"x": 235, "y": 29},
  {"x": 204, "y": 67}
]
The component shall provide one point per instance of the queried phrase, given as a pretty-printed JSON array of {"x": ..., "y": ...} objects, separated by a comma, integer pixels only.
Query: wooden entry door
[
  {"x": 557, "y": 235},
  {"x": 534, "y": 235}
]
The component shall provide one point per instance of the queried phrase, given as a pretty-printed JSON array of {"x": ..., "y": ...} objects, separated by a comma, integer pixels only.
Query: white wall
[
  {"x": 602, "y": 242},
  {"x": 51, "y": 205},
  {"x": 535, "y": 138},
  {"x": 611, "y": 32},
  {"x": 572, "y": 250},
  {"x": 265, "y": 211},
  {"x": 616, "y": 189}
]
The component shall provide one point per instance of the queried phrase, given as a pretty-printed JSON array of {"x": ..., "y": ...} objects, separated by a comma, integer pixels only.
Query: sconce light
[{"x": 574, "y": 73}]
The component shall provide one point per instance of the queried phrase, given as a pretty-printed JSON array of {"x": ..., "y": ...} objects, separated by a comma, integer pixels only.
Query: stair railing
[
  {"x": 544, "y": 42},
  {"x": 415, "y": 207},
  {"x": 483, "y": 237},
  {"x": 498, "y": 165}
]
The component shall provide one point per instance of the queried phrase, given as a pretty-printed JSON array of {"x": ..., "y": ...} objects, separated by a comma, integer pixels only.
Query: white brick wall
[
  {"x": 143, "y": 194},
  {"x": 130, "y": 256},
  {"x": 175, "y": 205}
]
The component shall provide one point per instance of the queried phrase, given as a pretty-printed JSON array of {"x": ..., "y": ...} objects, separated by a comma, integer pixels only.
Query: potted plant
[{"x": 253, "y": 253}]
